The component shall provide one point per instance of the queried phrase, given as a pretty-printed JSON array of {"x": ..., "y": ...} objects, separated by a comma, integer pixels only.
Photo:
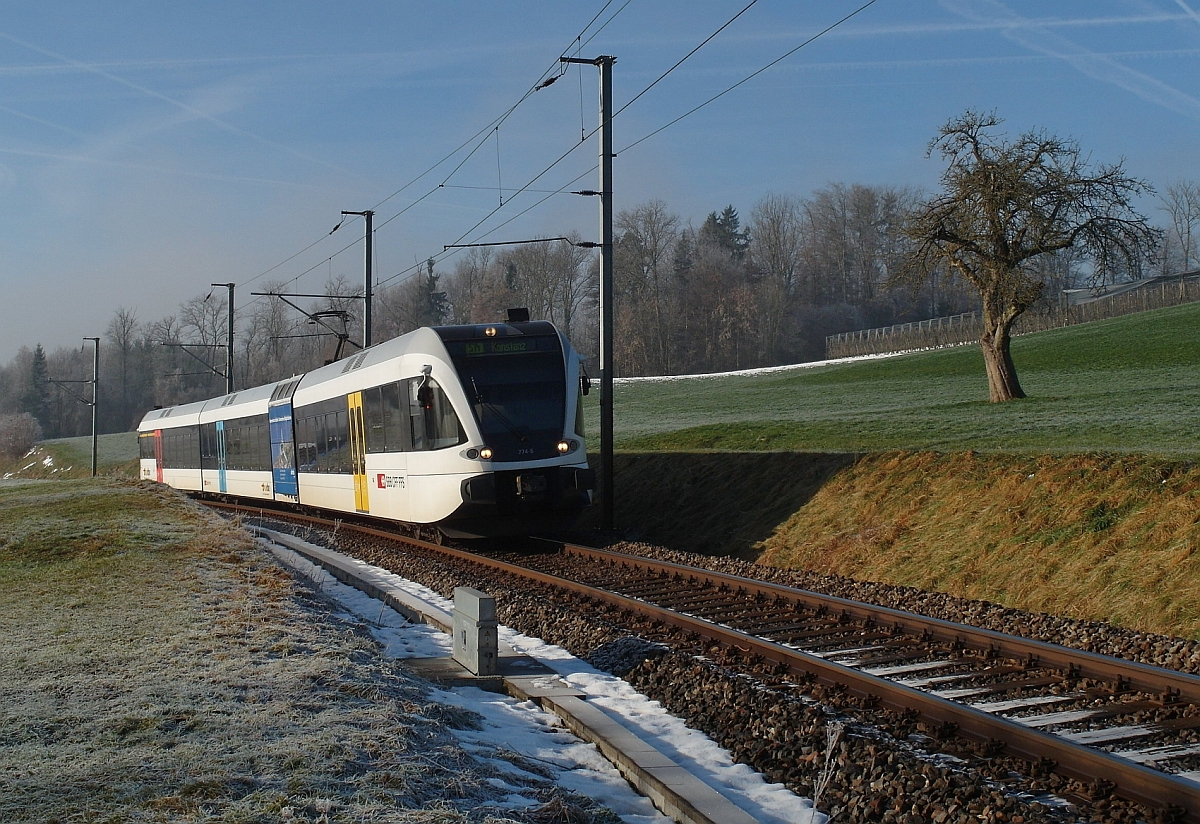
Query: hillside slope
[{"x": 1100, "y": 537}]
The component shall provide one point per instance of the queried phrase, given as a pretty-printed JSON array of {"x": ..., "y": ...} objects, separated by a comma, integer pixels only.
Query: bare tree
[
  {"x": 576, "y": 280},
  {"x": 18, "y": 434},
  {"x": 472, "y": 282},
  {"x": 202, "y": 319},
  {"x": 1182, "y": 203},
  {"x": 340, "y": 325},
  {"x": 777, "y": 248},
  {"x": 551, "y": 279},
  {"x": 643, "y": 275},
  {"x": 1004, "y": 204},
  {"x": 777, "y": 237},
  {"x": 122, "y": 334},
  {"x": 271, "y": 345}
]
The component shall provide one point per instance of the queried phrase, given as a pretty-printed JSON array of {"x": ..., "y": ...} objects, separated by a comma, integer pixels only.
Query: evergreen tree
[
  {"x": 434, "y": 306},
  {"x": 36, "y": 398},
  {"x": 725, "y": 231}
]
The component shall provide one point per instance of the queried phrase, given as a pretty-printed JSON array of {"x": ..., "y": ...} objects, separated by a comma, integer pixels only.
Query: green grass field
[{"x": 1131, "y": 384}]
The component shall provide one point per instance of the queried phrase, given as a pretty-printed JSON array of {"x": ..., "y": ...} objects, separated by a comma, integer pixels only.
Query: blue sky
[{"x": 150, "y": 149}]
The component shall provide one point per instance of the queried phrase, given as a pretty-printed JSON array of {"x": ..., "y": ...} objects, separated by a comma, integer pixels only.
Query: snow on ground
[
  {"x": 524, "y": 728},
  {"x": 762, "y": 370}
]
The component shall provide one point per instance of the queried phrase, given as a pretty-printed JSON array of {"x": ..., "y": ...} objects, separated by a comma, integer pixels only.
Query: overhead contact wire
[
  {"x": 496, "y": 123},
  {"x": 748, "y": 78}
]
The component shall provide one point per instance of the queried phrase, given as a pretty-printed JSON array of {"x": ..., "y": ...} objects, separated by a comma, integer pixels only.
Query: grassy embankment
[
  {"x": 1080, "y": 500},
  {"x": 116, "y": 455}
]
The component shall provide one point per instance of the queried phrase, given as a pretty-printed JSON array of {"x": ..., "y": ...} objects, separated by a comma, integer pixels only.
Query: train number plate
[{"x": 531, "y": 485}]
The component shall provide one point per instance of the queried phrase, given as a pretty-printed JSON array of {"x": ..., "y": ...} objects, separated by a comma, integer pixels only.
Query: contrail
[
  {"x": 1037, "y": 38},
  {"x": 1190, "y": 12},
  {"x": 177, "y": 103},
  {"x": 76, "y": 158}
]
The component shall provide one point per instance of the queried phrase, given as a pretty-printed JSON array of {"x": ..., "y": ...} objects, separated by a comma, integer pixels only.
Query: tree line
[{"x": 731, "y": 293}]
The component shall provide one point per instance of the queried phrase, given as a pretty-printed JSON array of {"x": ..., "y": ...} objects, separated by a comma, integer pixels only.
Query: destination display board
[{"x": 501, "y": 346}]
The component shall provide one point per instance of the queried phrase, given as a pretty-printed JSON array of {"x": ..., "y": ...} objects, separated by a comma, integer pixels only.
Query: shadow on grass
[{"x": 717, "y": 503}]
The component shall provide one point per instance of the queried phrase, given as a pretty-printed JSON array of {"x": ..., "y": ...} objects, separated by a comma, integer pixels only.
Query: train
[{"x": 465, "y": 431}]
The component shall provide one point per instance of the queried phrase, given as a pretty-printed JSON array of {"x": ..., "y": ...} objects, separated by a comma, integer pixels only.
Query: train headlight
[
  {"x": 486, "y": 453},
  {"x": 567, "y": 446},
  {"x": 472, "y": 453},
  {"x": 490, "y": 331}
]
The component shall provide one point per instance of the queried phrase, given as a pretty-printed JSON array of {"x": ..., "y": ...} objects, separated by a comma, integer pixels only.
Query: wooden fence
[{"x": 967, "y": 328}]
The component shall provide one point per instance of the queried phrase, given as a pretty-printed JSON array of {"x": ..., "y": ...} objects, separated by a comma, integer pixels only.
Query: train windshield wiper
[{"x": 509, "y": 425}]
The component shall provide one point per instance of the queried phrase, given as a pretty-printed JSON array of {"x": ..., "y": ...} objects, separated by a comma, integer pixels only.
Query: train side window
[
  {"x": 233, "y": 445},
  {"x": 304, "y": 445},
  {"x": 306, "y": 450},
  {"x": 433, "y": 422},
  {"x": 262, "y": 446},
  {"x": 264, "y": 429},
  {"x": 341, "y": 422},
  {"x": 322, "y": 441},
  {"x": 397, "y": 437},
  {"x": 208, "y": 446},
  {"x": 301, "y": 436},
  {"x": 372, "y": 404}
]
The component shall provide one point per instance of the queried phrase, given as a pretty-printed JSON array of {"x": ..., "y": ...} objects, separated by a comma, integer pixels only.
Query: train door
[
  {"x": 283, "y": 450},
  {"x": 158, "y": 455},
  {"x": 222, "y": 478},
  {"x": 358, "y": 451}
]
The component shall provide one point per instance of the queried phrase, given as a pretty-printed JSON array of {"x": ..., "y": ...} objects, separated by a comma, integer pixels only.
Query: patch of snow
[
  {"x": 512, "y": 726},
  {"x": 26, "y": 466},
  {"x": 762, "y": 370},
  {"x": 48, "y": 461}
]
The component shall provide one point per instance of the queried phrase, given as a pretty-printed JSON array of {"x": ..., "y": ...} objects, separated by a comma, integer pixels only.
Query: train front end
[{"x": 522, "y": 383}]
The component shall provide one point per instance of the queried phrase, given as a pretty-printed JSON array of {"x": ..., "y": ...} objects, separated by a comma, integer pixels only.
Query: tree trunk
[{"x": 1002, "y": 375}]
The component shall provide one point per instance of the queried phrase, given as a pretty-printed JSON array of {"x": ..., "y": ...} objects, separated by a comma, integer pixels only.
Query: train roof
[
  {"x": 239, "y": 404},
  {"x": 171, "y": 416},
  {"x": 428, "y": 340}
]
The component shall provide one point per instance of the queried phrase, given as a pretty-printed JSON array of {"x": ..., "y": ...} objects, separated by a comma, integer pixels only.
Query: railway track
[{"x": 1115, "y": 728}]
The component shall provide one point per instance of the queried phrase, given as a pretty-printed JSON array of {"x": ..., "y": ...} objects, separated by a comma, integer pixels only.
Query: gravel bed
[
  {"x": 1181, "y": 654},
  {"x": 859, "y": 764}
]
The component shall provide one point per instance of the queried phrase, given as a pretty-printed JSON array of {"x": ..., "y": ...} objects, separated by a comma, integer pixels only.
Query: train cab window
[
  {"x": 146, "y": 446},
  {"x": 518, "y": 394},
  {"x": 433, "y": 424},
  {"x": 579, "y": 426}
]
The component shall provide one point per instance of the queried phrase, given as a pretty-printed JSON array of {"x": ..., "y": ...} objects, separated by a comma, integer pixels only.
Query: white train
[{"x": 476, "y": 430}]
